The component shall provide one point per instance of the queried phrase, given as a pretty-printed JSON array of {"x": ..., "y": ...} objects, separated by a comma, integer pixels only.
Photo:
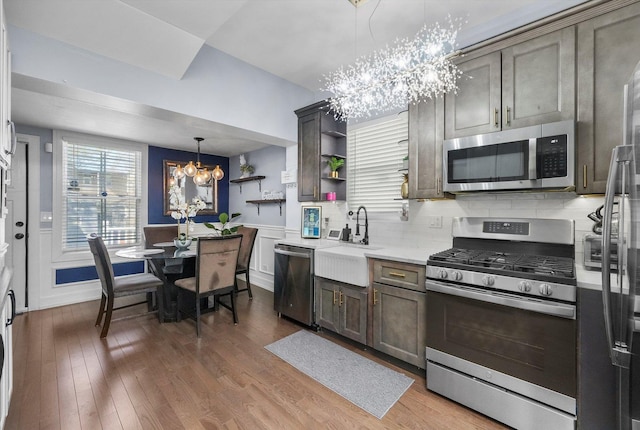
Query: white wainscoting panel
[{"x": 261, "y": 264}]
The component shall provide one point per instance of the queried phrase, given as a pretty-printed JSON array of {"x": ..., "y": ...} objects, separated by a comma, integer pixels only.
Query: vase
[
  {"x": 182, "y": 244},
  {"x": 404, "y": 188},
  {"x": 334, "y": 174},
  {"x": 183, "y": 228}
]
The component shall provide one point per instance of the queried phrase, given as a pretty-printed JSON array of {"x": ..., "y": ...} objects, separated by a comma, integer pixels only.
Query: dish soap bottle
[{"x": 346, "y": 233}]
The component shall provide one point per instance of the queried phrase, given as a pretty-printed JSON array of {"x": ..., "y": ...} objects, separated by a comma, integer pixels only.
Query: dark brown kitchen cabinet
[
  {"x": 399, "y": 310},
  {"x": 608, "y": 51},
  {"x": 425, "y": 149},
  {"x": 342, "y": 308},
  {"x": 320, "y": 137},
  {"x": 528, "y": 83}
]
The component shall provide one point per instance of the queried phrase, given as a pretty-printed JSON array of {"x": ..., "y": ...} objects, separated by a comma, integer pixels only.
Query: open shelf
[
  {"x": 240, "y": 181},
  {"x": 333, "y": 133},
  {"x": 344, "y": 157},
  {"x": 329, "y": 178},
  {"x": 266, "y": 202}
]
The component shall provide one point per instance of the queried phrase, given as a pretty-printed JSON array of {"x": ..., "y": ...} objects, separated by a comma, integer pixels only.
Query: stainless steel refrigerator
[{"x": 620, "y": 290}]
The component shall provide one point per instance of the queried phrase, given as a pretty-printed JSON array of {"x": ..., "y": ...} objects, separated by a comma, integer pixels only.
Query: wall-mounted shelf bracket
[
  {"x": 239, "y": 181},
  {"x": 264, "y": 202}
]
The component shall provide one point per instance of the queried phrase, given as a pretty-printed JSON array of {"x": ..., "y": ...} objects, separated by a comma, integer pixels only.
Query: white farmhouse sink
[{"x": 344, "y": 263}]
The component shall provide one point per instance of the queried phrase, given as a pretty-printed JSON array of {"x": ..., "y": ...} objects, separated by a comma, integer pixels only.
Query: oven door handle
[{"x": 554, "y": 309}]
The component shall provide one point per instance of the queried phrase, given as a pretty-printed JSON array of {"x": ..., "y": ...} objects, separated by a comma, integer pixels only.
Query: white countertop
[
  {"x": 590, "y": 279},
  {"x": 308, "y": 243},
  {"x": 403, "y": 255}
]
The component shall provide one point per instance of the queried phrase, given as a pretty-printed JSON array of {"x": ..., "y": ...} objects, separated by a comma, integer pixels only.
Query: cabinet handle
[
  {"x": 375, "y": 297},
  {"x": 340, "y": 304},
  {"x": 12, "y": 296},
  {"x": 334, "y": 296},
  {"x": 397, "y": 275},
  {"x": 315, "y": 191},
  {"x": 13, "y": 138},
  {"x": 584, "y": 176},
  {"x": 508, "y": 121},
  {"x": 438, "y": 185},
  {"x": 496, "y": 117}
]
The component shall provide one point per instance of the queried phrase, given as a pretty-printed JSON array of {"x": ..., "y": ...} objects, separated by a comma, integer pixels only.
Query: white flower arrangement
[{"x": 183, "y": 210}]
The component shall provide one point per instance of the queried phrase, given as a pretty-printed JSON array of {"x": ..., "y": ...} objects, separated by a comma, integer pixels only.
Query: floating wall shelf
[
  {"x": 240, "y": 181},
  {"x": 266, "y": 202}
]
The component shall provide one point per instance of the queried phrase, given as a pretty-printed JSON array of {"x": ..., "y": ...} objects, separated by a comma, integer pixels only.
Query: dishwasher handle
[{"x": 293, "y": 254}]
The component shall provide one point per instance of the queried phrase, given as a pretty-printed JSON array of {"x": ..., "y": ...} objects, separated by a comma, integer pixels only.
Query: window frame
[{"x": 58, "y": 254}]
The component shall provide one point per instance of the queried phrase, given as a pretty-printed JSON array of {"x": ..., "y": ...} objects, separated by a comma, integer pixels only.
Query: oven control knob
[
  {"x": 524, "y": 286},
  {"x": 443, "y": 274},
  {"x": 545, "y": 289},
  {"x": 457, "y": 275},
  {"x": 488, "y": 280}
]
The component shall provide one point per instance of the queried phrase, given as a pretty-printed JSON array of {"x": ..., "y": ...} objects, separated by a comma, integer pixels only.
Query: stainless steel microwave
[{"x": 536, "y": 157}]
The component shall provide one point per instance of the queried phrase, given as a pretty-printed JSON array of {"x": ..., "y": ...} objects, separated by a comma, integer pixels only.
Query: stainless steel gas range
[{"x": 501, "y": 320}]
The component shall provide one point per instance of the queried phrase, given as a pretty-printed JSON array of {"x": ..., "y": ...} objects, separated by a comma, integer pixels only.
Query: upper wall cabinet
[
  {"x": 530, "y": 83},
  {"x": 608, "y": 51},
  {"x": 425, "y": 149},
  {"x": 320, "y": 137}
]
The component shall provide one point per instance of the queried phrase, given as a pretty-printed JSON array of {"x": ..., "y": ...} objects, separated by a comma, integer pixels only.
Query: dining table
[{"x": 169, "y": 264}]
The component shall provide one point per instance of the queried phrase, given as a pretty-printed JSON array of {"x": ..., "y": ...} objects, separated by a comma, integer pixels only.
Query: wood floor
[{"x": 160, "y": 376}]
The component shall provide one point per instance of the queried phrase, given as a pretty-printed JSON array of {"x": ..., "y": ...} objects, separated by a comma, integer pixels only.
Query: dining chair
[
  {"x": 114, "y": 287},
  {"x": 248, "y": 240},
  {"x": 160, "y": 234},
  {"x": 216, "y": 262}
]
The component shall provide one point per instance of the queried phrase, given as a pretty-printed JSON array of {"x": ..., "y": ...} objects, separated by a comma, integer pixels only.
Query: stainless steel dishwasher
[{"x": 293, "y": 289}]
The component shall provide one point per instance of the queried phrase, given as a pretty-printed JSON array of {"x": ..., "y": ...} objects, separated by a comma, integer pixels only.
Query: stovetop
[{"x": 523, "y": 264}]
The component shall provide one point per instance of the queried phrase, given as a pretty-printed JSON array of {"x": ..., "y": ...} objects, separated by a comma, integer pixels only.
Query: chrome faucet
[{"x": 365, "y": 240}]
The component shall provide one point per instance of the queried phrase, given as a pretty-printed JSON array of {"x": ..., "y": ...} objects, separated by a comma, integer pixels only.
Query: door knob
[{"x": 19, "y": 236}]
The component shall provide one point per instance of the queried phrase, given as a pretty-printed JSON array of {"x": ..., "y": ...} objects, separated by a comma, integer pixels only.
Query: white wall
[
  {"x": 216, "y": 86},
  {"x": 418, "y": 231}
]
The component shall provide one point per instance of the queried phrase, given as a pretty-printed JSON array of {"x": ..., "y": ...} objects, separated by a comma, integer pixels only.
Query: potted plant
[
  {"x": 246, "y": 168},
  {"x": 334, "y": 164},
  {"x": 224, "y": 219}
]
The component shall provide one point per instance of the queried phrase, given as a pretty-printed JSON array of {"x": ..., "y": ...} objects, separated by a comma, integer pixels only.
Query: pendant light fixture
[
  {"x": 391, "y": 78},
  {"x": 201, "y": 175}
]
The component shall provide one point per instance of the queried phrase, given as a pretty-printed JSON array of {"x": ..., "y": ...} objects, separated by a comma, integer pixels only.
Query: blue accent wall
[
  {"x": 86, "y": 273},
  {"x": 157, "y": 156}
]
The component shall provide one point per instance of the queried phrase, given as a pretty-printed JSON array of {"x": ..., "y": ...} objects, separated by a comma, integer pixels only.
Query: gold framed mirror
[{"x": 207, "y": 193}]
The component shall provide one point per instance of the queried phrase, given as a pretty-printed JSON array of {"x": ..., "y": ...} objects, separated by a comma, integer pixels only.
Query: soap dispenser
[{"x": 346, "y": 233}]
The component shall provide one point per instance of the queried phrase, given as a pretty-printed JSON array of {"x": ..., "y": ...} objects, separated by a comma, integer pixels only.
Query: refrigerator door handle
[{"x": 621, "y": 157}]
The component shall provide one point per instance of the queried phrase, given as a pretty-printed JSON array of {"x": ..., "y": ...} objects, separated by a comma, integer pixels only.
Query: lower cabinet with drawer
[
  {"x": 399, "y": 310},
  {"x": 342, "y": 308}
]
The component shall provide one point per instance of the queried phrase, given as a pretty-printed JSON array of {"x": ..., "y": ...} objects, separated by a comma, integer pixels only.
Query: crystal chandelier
[
  {"x": 396, "y": 76},
  {"x": 200, "y": 174}
]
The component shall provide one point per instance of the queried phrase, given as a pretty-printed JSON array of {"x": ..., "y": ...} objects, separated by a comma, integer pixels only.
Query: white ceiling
[{"x": 298, "y": 40}]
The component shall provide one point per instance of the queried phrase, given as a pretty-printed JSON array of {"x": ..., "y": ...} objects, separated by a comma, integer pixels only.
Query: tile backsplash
[{"x": 429, "y": 223}]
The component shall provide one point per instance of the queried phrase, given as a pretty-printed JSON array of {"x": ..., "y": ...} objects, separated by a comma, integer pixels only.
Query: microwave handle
[{"x": 533, "y": 158}]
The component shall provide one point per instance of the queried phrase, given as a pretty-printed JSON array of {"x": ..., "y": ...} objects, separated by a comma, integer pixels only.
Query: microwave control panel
[{"x": 551, "y": 155}]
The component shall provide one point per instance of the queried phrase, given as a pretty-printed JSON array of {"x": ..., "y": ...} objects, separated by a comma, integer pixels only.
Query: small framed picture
[{"x": 311, "y": 226}]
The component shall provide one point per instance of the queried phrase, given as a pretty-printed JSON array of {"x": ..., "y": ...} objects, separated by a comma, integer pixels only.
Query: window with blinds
[
  {"x": 101, "y": 194},
  {"x": 374, "y": 152}
]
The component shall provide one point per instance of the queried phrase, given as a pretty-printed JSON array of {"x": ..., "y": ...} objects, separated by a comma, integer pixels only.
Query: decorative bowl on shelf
[{"x": 182, "y": 243}]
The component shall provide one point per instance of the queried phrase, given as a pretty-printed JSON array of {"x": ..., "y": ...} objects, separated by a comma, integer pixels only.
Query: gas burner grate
[
  {"x": 497, "y": 260},
  {"x": 558, "y": 267},
  {"x": 455, "y": 255},
  {"x": 539, "y": 264}
]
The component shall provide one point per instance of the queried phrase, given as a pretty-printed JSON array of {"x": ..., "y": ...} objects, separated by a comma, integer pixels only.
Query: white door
[{"x": 16, "y": 224}]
